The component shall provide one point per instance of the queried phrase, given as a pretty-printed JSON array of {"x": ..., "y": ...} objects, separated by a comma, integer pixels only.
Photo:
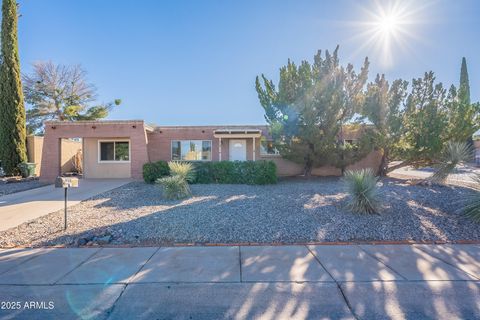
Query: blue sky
[{"x": 195, "y": 62}]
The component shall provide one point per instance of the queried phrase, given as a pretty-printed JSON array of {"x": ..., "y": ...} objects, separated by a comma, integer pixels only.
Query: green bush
[
  {"x": 155, "y": 170},
  {"x": 363, "y": 191},
  {"x": 175, "y": 187},
  {"x": 236, "y": 172},
  {"x": 182, "y": 169},
  {"x": 472, "y": 206}
]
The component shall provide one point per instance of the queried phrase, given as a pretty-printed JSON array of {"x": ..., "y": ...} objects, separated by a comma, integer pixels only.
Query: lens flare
[{"x": 388, "y": 28}]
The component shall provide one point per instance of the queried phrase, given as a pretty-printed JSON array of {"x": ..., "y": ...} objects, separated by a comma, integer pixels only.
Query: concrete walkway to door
[
  {"x": 231, "y": 282},
  {"x": 24, "y": 206}
]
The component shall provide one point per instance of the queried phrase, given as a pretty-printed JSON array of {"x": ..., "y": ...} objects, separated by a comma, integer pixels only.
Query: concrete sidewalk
[
  {"x": 20, "y": 207},
  {"x": 301, "y": 282}
]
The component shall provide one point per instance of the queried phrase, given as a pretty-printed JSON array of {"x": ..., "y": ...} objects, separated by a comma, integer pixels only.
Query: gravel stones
[{"x": 290, "y": 211}]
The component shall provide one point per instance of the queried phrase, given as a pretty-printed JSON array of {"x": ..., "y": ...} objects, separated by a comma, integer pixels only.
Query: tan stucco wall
[
  {"x": 289, "y": 168},
  {"x": 56, "y": 130},
  {"x": 93, "y": 169},
  {"x": 34, "y": 152},
  {"x": 69, "y": 149}
]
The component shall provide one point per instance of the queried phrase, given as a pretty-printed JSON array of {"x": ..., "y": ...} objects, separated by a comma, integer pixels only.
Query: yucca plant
[
  {"x": 363, "y": 191},
  {"x": 182, "y": 169},
  {"x": 175, "y": 187},
  {"x": 472, "y": 207},
  {"x": 455, "y": 153}
]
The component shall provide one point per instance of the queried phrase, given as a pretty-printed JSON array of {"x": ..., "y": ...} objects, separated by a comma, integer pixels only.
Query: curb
[{"x": 259, "y": 244}]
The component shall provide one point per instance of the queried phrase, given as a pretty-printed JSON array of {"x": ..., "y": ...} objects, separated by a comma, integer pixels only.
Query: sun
[
  {"x": 388, "y": 29},
  {"x": 388, "y": 24}
]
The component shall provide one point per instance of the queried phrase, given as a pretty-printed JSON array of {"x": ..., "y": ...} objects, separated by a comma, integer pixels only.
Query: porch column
[
  {"x": 254, "y": 148},
  {"x": 219, "y": 149}
]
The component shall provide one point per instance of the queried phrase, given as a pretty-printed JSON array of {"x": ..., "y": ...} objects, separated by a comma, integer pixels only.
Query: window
[
  {"x": 267, "y": 148},
  {"x": 118, "y": 151},
  {"x": 192, "y": 150}
]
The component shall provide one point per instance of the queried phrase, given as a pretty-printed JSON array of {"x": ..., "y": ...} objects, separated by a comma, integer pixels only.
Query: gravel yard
[
  {"x": 291, "y": 211},
  {"x": 13, "y": 187}
]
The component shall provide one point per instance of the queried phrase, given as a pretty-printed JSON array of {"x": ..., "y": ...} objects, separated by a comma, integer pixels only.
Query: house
[{"x": 118, "y": 149}]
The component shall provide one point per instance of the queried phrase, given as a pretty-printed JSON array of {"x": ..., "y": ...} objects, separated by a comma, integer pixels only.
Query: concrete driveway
[
  {"x": 231, "y": 282},
  {"x": 24, "y": 206},
  {"x": 463, "y": 176}
]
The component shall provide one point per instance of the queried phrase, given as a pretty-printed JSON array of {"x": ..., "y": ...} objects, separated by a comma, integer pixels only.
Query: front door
[{"x": 238, "y": 150}]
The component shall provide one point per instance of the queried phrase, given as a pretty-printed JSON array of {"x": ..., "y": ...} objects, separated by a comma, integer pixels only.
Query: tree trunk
[
  {"x": 383, "y": 167},
  {"x": 307, "y": 169},
  {"x": 398, "y": 166}
]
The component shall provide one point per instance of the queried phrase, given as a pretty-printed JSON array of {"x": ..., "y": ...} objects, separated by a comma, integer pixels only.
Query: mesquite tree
[
  {"x": 59, "y": 92},
  {"x": 12, "y": 109}
]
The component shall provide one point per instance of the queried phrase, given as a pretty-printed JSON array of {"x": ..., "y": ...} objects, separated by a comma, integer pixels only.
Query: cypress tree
[
  {"x": 12, "y": 109},
  {"x": 464, "y": 90}
]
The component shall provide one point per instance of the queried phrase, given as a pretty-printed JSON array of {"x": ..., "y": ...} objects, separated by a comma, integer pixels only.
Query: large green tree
[
  {"x": 309, "y": 109},
  {"x": 59, "y": 92},
  {"x": 463, "y": 115},
  {"x": 384, "y": 108},
  {"x": 12, "y": 109},
  {"x": 425, "y": 122}
]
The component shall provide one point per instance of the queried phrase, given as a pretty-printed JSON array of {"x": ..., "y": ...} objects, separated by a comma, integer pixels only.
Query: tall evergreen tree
[
  {"x": 12, "y": 109},
  {"x": 464, "y": 89},
  {"x": 463, "y": 115}
]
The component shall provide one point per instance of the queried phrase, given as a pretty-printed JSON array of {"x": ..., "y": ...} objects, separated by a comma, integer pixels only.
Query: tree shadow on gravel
[{"x": 285, "y": 213}]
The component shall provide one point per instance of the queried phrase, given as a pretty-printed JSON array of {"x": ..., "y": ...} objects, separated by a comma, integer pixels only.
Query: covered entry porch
[{"x": 238, "y": 144}]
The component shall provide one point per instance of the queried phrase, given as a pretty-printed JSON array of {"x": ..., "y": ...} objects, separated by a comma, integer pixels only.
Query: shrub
[
  {"x": 155, "y": 170},
  {"x": 472, "y": 207},
  {"x": 454, "y": 154},
  {"x": 182, "y": 169},
  {"x": 362, "y": 188},
  {"x": 236, "y": 172},
  {"x": 175, "y": 187}
]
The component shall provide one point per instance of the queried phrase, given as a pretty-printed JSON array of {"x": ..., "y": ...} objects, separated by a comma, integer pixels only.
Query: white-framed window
[
  {"x": 267, "y": 148},
  {"x": 113, "y": 151},
  {"x": 192, "y": 150}
]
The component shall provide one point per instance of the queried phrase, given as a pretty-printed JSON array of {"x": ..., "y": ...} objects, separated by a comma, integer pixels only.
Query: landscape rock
[{"x": 292, "y": 211}]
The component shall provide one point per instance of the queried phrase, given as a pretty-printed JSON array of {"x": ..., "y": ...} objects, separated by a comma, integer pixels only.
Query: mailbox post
[{"x": 66, "y": 183}]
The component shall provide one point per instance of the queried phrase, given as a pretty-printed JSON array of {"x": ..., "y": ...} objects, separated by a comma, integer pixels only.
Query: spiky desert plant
[
  {"x": 454, "y": 154},
  {"x": 472, "y": 206},
  {"x": 363, "y": 191},
  {"x": 182, "y": 169},
  {"x": 175, "y": 187}
]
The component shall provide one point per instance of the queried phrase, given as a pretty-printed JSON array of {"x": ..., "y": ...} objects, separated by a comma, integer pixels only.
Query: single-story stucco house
[{"x": 119, "y": 149}]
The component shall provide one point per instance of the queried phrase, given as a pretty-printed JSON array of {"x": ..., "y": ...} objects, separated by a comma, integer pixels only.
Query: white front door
[{"x": 238, "y": 150}]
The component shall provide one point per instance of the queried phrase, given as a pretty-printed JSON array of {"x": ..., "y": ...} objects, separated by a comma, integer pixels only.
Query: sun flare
[{"x": 387, "y": 29}]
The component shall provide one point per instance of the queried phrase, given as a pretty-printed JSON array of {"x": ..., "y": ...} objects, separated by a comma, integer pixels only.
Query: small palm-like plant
[
  {"x": 175, "y": 187},
  {"x": 472, "y": 207},
  {"x": 182, "y": 169},
  {"x": 362, "y": 188},
  {"x": 454, "y": 154}
]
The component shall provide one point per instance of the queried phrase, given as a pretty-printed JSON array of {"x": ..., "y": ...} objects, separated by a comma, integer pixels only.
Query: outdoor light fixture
[
  {"x": 94, "y": 127},
  {"x": 134, "y": 127},
  {"x": 53, "y": 127}
]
